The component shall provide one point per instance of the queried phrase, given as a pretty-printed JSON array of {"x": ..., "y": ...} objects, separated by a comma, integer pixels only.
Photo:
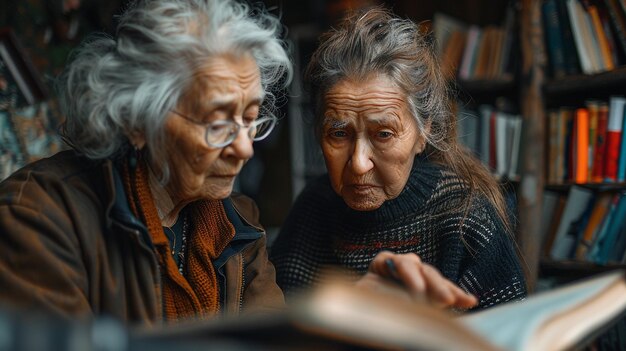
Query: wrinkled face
[
  {"x": 225, "y": 88},
  {"x": 369, "y": 140}
]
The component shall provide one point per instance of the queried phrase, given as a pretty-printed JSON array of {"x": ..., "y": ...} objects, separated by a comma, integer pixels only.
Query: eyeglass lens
[{"x": 224, "y": 132}]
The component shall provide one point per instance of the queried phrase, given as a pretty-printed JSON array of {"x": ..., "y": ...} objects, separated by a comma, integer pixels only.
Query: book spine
[
  {"x": 613, "y": 138},
  {"x": 592, "y": 43},
  {"x": 597, "y": 174},
  {"x": 562, "y": 144},
  {"x": 485, "y": 136},
  {"x": 570, "y": 143},
  {"x": 469, "y": 53},
  {"x": 577, "y": 23},
  {"x": 582, "y": 145},
  {"x": 553, "y": 38},
  {"x": 572, "y": 62},
  {"x": 592, "y": 107},
  {"x": 621, "y": 164},
  {"x": 552, "y": 146},
  {"x": 601, "y": 38}
]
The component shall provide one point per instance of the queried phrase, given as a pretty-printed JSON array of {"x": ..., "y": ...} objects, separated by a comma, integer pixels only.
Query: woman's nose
[
  {"x": 361, "y": 160},
  {"x": 241, "y": 147}
]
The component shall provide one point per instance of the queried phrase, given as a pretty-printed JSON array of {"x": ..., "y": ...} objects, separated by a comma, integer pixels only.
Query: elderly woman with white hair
[{"x": 136, "y": 222}]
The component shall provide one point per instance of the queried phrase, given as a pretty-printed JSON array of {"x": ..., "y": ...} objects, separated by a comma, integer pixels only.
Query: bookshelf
[
  {"x": 581, "y": 89},
  {"x": 500, "y": 94}
]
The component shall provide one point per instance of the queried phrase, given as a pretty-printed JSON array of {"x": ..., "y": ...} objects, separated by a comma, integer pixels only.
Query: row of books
[
  {"x": 587, "y": 36},
  {"x": 585, "y": 225},
  {"x": 493, "y": 134},
  {"x": 476, "y": 53},
  {"x": 585, "y": 144}
]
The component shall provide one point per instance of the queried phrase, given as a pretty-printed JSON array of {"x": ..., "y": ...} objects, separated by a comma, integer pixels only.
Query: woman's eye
[
  {"x": 338, "y": 133},
  {"x": 248, "y": 120},
  {"x": 384, "y": 134}
]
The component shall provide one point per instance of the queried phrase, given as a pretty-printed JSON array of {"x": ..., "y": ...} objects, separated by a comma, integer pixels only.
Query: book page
[{"x": 553, "y": 317}]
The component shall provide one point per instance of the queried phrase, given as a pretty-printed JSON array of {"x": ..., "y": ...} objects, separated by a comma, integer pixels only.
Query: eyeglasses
[{"x": 223, "y": 132}]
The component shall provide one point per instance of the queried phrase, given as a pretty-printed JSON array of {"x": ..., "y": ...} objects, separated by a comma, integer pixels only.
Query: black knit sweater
[{"x": 472, "y": 250}]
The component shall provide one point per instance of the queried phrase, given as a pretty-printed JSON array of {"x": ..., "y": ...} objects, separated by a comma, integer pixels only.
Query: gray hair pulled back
[
  {"x": 376, "y": 42},
  {"x": 117, "y": 86}
]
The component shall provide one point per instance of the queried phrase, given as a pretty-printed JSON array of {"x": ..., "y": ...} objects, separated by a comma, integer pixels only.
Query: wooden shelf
[
  {"x": 487, "y": 86},
  {"x": 574, "y": 269},
  {"x": 488, "y": 91},
  {"x": 593, "y": 186},
  {"x": 588, "y": 84}
]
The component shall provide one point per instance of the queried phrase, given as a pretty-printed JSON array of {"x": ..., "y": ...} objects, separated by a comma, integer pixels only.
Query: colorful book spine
[
  {"x": 601, "y": 38},
  {"x": 597, "y": 173},
  {"x": 613, "y": 137},
  {"x": 582, "y": 146},
  {"x": 592, "y": 107},
  {"x": 621, "y": 163}
]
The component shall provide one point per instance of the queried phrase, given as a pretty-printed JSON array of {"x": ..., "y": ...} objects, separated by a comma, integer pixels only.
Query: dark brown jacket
[{"x": 69, "y": 245}]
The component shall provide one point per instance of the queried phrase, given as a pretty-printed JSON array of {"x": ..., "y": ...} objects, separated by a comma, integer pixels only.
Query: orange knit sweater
[{"x": 197, "y": 293}]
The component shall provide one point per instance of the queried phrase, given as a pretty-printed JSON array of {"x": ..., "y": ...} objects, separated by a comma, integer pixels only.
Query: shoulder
[
  {"x": 62, "y": 175},
  {"x": 246, "y": 207}
]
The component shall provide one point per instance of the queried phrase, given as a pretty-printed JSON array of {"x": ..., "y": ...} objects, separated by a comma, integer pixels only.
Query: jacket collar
[{"x": 118, "y": 209}]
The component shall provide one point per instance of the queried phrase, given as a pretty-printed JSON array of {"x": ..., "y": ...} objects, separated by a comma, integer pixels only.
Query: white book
[
  {"x": 469, "y": 53},
  {"x": 578, "y": 25},
  {"x": 502, "y": 143},
  {"x": 565, "y": 240}
]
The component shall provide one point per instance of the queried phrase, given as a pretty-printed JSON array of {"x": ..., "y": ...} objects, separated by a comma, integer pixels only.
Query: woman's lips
[{"x": 361, "y": 188}]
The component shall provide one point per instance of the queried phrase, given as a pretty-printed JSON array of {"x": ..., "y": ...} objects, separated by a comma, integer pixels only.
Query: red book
[
  {"x": 613, "y": 137},
  {"x": 597, "y": 172}
]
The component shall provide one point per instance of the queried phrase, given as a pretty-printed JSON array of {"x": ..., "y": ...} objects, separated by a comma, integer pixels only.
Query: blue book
[
  {"x": 621, "y": 163},
  {"x": 554, "y": 40},
  {"x": 603, "y": 252}
]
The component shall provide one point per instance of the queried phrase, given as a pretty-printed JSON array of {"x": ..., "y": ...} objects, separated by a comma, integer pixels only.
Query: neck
[{"x": 166, "y": 207}]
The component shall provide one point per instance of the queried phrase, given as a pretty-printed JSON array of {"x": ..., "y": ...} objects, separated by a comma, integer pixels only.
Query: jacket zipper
[
  {"x": 158, "y": 276},
  {"x": 243, "y": 283}
]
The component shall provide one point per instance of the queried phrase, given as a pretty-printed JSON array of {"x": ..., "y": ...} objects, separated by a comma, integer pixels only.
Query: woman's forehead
[{"x": 225, "y": 80}]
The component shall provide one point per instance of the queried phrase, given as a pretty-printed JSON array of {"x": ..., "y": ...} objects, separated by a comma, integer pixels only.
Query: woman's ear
[{"x": 421, "y": 143}]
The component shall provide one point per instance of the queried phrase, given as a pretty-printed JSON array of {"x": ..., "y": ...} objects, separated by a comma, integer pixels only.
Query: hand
[{"x": 419, "y": 280}]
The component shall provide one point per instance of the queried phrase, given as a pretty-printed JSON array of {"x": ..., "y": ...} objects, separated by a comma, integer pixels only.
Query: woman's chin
[{"x": 363, "y": 204}]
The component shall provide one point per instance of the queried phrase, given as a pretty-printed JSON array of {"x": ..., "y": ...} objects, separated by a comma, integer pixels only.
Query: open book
[{"x": 339, "y": 317}]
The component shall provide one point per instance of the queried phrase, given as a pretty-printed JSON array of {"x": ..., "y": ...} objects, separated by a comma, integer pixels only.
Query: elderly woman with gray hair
[
  {"x": 137, "y": 221},
  {"x": 397, "y": 179}
]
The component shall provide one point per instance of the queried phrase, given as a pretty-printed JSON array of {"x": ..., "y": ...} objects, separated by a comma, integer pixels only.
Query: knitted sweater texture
[{"x": 473, "y": 249}]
